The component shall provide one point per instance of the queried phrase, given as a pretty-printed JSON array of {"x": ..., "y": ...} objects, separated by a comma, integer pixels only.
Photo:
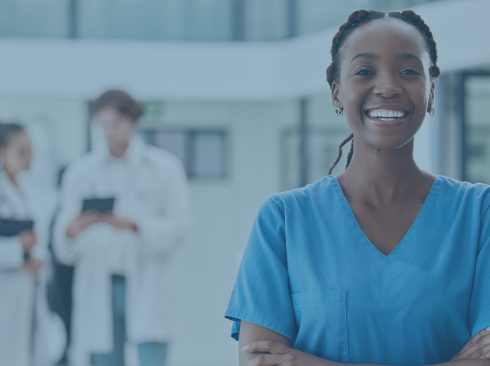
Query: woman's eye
[
  {"x": 363, "y": 72},
  {"x": 409, "y": 72}
]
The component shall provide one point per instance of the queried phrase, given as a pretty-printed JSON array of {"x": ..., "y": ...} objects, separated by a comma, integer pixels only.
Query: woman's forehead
[{"x": 385, "y": 36}]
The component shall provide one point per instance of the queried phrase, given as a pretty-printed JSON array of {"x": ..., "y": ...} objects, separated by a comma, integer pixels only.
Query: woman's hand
[
  {"x": 28, "y": 240},
  {"x": 477, "y": 347},
  {"x": 81, "y": 222},
  {"x": 270, "y": 353}
]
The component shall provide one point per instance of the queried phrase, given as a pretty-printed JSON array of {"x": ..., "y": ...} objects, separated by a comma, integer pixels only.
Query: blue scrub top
[{"x": 310, "y": 274}]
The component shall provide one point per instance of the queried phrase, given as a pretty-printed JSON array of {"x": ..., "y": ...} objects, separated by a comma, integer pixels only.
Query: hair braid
[
  {"x": 351, "y": 152},
  {"x": 339, "y": 156}
]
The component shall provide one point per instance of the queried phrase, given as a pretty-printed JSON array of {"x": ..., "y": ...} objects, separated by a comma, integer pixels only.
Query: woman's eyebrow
[
  {"x": 407, "y": 56},
  {"x": 364, "y": 55},
  {"x": 372, "y": 56}
]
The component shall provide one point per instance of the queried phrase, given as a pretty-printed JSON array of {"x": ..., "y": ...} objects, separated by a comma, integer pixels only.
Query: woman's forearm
[
  {"x": 256, "y": 341},
  {"x": 469, "y": 362}
]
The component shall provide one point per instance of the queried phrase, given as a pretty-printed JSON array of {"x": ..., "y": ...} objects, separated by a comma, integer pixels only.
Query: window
[
  {"x": 476, "y": 152},
  {"x": 317, "y": 15},
  {"x": 208, "y": 20},
  {"x": 179, "y": 20},
  {"x": 266, "y": 20},
  {"x": 323, "y": 146},
  {"x": 202, "y": 152},
  {"x": 34, "y": 18}
]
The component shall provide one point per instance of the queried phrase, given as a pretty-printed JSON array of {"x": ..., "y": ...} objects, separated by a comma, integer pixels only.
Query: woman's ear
[{"x": 335, "y": 90}]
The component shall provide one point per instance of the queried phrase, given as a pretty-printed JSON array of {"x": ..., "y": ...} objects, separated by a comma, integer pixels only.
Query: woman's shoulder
[
  {"x": 320, "y": 191},
  {"x": 461, "y": 187},
  {"x": 465, "y": 193}
]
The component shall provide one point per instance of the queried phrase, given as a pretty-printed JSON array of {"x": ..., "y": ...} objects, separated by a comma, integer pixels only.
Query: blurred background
[{"x": 236, "y": 90}]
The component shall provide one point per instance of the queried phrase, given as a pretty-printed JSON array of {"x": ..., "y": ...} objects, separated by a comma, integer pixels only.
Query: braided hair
[{"x": 361, "y": 17}]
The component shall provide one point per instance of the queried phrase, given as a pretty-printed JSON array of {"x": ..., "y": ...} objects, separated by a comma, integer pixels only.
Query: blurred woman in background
[{"x": 24, "y": 316}]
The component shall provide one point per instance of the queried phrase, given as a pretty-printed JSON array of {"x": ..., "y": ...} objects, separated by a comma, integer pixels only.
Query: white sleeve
[
  {"x": 164, "y": 230},
  {"x": 41, "y": 229},
  {"x": 11, "y": 253},
  {"x": 66, "y": 249}
]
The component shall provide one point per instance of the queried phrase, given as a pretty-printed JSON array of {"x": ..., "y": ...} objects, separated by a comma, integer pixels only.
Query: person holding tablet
[
  {"x": 23, "y": 306},
  {"x": 124, "y": 209}
]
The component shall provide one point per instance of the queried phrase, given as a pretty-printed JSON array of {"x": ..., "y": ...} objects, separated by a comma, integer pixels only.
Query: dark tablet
[
  {"x": 100, "y": 205},
  {"x": 13, "y": 227}
]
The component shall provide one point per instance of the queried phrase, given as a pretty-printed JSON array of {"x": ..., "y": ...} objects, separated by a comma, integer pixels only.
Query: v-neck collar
[{"x": 399, "y": 246}]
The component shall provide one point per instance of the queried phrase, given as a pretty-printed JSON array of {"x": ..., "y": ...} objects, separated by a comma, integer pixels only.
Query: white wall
[{"x": 223, "y": 213}]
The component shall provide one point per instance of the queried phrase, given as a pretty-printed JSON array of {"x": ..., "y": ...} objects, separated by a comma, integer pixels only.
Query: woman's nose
[{"x": 387, "y": 87}]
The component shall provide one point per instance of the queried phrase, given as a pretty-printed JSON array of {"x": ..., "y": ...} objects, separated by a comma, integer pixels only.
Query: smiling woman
[{"x": 385, "y": 263}]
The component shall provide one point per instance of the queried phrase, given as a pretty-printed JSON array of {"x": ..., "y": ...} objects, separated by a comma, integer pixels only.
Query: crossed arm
[{"x": 259, "y": 346}]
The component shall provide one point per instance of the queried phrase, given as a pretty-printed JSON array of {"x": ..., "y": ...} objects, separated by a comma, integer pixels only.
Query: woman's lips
[{"x": 387, "y": 123}]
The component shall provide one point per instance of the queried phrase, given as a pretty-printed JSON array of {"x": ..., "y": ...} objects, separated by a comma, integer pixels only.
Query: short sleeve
[
  {"x": 261, "y": 293},
  {"x": 480, "y": 298}
]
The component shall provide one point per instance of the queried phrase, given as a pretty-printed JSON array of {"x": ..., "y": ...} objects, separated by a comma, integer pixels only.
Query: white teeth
[{"x": 386, "y": 113}]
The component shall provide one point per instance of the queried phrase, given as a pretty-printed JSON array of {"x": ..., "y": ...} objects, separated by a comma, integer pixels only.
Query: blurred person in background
[
  {"x": 120, "y": 257},
  {"x": 27, "y": 330}
]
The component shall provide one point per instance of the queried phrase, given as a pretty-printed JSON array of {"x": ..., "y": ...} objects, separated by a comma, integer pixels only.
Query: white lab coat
[
  {"x": 29, "y": 334},
  {"x": 154, "y": 193}
]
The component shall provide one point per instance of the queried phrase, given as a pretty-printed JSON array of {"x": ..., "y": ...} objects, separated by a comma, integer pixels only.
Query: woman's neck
[{"x": 383, "y": 176}]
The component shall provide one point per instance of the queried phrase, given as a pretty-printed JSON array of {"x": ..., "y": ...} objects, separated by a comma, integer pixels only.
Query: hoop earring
[{"x": 339, "y": 112}]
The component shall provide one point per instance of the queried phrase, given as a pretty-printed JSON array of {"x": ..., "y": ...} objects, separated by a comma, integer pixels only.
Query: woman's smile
[{"x": 385, "y": 116}]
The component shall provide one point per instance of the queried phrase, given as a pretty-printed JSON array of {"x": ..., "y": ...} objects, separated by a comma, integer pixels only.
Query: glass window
[
  {"x": 202, "y": 152},
  {"x": 208, "y": 150},
  {"x": 325, "y": 132},
  {"x": 34, "y": 18},
  {"x": 155, "y": 19},
  {"x": 397, "y": 4},
  {"x": 317, "y": 15},
  {"x": 209, "y": 20},
  {"x": 174, "y": 142},
  {"x": 477, "y": 128},
  {"x": 266, "y": 20},
  {"x": 323, "y": 146}
]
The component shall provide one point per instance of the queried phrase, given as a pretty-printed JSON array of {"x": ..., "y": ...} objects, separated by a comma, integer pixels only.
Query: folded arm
[{"x": 259, "y": 346}]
